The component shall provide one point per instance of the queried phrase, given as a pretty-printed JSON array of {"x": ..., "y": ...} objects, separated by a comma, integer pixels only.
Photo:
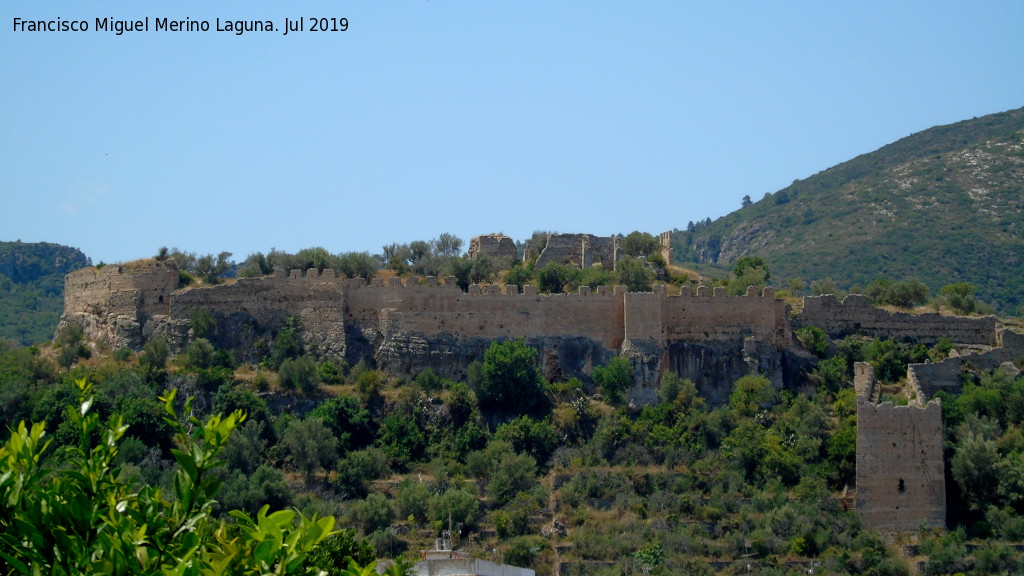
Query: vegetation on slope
[
  {"x": 565, "y": 474},
  {"x": 943, "y": 206},
  {"x": 32, "y": 288}
]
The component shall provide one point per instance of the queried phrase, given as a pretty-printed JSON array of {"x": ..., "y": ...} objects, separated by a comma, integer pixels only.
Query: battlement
[{"x": 900, "y": 470}]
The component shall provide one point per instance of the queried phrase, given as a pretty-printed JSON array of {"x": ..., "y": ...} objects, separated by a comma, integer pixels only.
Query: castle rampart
[{"x": 856, "y": 315}]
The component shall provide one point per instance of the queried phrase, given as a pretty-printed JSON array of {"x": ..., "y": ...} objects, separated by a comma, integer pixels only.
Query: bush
[
  {"x": 298, "y": 374},
  {"x": 100, "y": 522},
  {"x": 511, "y": 381},
  {"x": 614, "y": 378},
  {"x": 373, "y": 513}
]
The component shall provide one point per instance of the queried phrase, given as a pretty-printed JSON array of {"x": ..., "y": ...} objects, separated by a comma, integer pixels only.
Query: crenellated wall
[
  {"x": 900, "y": 471},
  {"x": 856, "y": 315}
]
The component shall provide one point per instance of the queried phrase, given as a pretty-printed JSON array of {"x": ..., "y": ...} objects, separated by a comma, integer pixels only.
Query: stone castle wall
[
  {"x": 493, "y": 245},
  {"x": 112, "y": 302},
  {"x": 856, "y": 315},
  {"x": 407, "y": 325},
  {"x": 900, "y": 469},
  {"x": 580, "y": 250}
]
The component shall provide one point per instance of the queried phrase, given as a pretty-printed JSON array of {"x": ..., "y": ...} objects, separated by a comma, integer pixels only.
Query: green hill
[
  {"x": 944, "y": 205},
  {"x": 32, "y": 288}
]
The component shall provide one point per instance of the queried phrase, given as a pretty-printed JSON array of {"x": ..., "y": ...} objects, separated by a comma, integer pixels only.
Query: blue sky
[{"x": 466, "y": 117}]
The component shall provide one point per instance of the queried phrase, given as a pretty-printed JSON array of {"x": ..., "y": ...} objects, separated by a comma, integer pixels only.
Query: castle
[{"x": 408, "y": 325}]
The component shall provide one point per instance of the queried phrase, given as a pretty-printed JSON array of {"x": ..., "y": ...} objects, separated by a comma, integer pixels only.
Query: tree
[
  {"x": 98, "y": 523},
  {"x": 746, "y": 202},
  {"x": 357, "y": 265},
  {"x": 614, "y": 378},
  {"x": 634, "y": 275},
  {"x": 814, "y": 340},
  {"x": 210, "y": 268},
  {"x": 534, "y": 437},
  {"x": 310, "y": 445},
  {"x": 752, "y": 393},
  {"x": 748, "y": 271},
  {"x": 650, "y": 556},
  {"x": 287, "y": 343},
  {"x": 511, "y": 381},
  {"x": 960, "y": 297},
  {"x": 298, "y": 374},
  {"x": 639, "y": 245},
  {"x": 447, "y": 245},
  {"x": 554, "y": 277}
]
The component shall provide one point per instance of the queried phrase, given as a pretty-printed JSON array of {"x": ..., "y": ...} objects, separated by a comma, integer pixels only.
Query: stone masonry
[
  {"x": 580, "y": 250},
  {"x": 493, "y": 245},
  {"x": 409, "y": 325},
  {"x": 900, "y": 470}
]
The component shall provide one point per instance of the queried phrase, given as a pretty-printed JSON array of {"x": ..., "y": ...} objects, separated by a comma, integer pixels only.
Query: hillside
[
  {"x": 32, "y": 288},
  {"x": 944, "y": 205}
]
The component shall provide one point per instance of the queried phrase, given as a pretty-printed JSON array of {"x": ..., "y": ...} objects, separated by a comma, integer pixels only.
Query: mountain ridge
[{"x": 927, "y": 206}]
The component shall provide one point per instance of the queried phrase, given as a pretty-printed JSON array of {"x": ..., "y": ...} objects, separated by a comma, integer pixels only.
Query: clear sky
[{"x": 467, "y": 117}]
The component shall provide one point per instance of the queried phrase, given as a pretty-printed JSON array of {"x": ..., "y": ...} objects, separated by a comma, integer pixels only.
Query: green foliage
[
  {"x": 511, "y": 381},
  {"x": 615, "y": 378},
  {"x": 554, "y": 278},
  {"x": 639, "y": 245},
  {"x": 264, "y": 486},
  {"x": 373, "y": 513},
  {"x": 98, "y": 524},
  {"x": 902, "y": 293},
  {"x": 890, "y": 358},
  {"x": 634, "y": 274},
  {"x": 752, "y": 393},
  {"x": 519, "y": 275},
  {"x": 650, "y": 557},
  {"x": 413, "y": 499},
  {"x": 960, "y": 297},
  {"x": 360, "y": 467},
  {"x": 299, "y": 374},
  {"x": 32, "y": 288},
  {"x": 334, "y": 554},
  {"x": 202, "y": 322},
  {"x": 401, "y": 439},
  {"x": 456, "y": 503},
  {"x": 349, "y": 421},
  {"x": 287, "y": 343},
  {"x": 528, "y": 436},
  {"x": 814, "y": 340},
  {"x": 211, "y": 268},
  {"x": 523, "y": 550},
  {"x": 310, "y": 445}
]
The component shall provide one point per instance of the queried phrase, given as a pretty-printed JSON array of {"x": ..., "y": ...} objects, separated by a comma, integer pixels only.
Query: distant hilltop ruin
[
  {"x": 407, "y": 325},
  {"x": 579, "y": 250}
]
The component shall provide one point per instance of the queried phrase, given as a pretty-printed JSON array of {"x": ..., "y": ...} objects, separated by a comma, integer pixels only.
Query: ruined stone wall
[
  {"x": 900, "y": 471},
  {"x": 579, "y": 250},
  {"x": 856, "y": 315},
  {"x": 113, "y": 303},
  {"x": 493, "y": 245},
  {"x": 666, "y": 246},
  {"x": 948, "y": 374},
  {"x": 253, "y": 307}
]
